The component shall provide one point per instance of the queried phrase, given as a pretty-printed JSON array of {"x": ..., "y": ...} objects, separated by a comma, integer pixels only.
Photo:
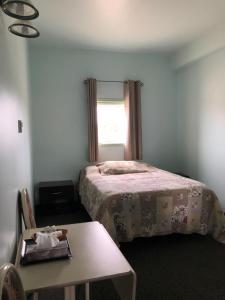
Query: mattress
[{"x": 151, "y": 203}]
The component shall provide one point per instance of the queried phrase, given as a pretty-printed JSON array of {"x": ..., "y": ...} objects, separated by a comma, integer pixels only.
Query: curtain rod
[{"x": 120, "y": 81}]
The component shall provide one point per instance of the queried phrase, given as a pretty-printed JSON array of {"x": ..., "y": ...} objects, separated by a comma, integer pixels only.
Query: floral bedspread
[{"x": 151, "y": 203}]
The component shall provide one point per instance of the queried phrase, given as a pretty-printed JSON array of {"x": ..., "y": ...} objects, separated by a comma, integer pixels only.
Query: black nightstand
[
  {"x": 183, "y": 175},
  {"x": 55, "y": 197}
]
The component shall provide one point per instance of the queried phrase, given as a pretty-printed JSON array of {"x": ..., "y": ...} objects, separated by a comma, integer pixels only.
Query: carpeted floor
[{"x": 175, "y": 267}]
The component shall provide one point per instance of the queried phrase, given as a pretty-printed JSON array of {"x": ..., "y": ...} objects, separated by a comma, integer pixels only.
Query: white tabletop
[{"x": 95, "y": 257}]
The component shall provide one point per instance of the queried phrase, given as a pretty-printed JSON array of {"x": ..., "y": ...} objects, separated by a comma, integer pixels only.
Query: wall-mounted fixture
[
  {"x": 20, "y": 126},
  {"x": 24, "y": 11}
]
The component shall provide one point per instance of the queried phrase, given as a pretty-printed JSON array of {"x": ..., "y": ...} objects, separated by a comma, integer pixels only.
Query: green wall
[
  {"x": 15, "y": 148},
  {"x": 201, "y": 121},
  {"x": 183, "y": 111},
  {"x": 59, "y": 111}
]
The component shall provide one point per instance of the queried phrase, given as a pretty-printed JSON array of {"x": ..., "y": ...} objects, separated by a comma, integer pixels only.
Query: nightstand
[
  {"x": 183, "y": 175},
  {"x": 56, "y": 197}
]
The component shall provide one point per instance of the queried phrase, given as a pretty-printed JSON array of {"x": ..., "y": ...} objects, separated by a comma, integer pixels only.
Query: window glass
[{"x": 111, "y": 121}]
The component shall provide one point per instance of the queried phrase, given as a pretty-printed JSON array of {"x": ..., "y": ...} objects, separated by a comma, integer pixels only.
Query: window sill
[{"x": 111, "y": 144}]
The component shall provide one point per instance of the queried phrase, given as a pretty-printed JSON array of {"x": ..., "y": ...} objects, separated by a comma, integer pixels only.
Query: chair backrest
[
  {"x": 27, "y": 212},
  {"x": 11, "y": 287}
]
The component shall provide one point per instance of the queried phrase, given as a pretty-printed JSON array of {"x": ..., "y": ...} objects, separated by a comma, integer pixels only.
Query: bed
[{"x": 139, "y": 200}]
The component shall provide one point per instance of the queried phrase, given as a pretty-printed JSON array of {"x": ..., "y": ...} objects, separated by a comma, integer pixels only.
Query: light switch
[{"x": 20, "y": 126}]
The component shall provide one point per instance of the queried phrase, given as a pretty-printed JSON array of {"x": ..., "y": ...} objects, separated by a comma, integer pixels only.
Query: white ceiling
[{"x": 127, "y": 25}]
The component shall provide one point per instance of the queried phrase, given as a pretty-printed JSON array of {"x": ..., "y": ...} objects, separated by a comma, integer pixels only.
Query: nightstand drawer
[
  {"x": 56, "y": 194},
  {"x": 56, "y": 191},
  {"x": 56, "y": 197}
]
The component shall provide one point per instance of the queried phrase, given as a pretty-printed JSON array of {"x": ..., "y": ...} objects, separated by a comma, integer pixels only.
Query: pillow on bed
[{"x": 122, "y": 167}]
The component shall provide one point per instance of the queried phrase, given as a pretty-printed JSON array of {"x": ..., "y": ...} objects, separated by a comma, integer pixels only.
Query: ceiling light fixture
[
  {"x": 20, "y": 9},
  {"x": 24, "y": 11},
  {"x": 24, "y": 29}
]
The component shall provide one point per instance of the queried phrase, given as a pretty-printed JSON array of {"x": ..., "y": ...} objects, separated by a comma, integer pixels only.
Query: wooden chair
[
  {"x": 11, "y": 287},
  {"x": 28, "y": 217},
  {"x": 27, "y": 212}
]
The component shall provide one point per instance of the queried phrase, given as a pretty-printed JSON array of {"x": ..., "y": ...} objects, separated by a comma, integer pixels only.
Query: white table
[{"x": 95, "y": 257}]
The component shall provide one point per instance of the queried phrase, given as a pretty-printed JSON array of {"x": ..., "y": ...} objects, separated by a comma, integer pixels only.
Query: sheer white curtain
[{"x": 111, "y": 92}]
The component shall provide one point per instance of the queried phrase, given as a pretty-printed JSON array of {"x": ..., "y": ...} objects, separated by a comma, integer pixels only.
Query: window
[{"x": 111, "y": 121}]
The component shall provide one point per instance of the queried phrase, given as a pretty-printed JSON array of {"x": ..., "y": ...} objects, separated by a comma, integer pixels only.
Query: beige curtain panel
[
  {"x": 92, "y": 119},
  {"x": 133, "y": 146}
]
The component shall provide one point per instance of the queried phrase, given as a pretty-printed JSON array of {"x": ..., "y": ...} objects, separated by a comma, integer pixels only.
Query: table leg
[
  {"x": 126, "y": 286},
  {"x": 87, "y": 291},
  {"x": 35, "y": 296},
  {"x": 70, "y": 292}
]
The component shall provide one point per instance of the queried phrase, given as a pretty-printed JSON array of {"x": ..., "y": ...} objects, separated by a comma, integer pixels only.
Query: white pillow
[{"x": 122, "y": 167}]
